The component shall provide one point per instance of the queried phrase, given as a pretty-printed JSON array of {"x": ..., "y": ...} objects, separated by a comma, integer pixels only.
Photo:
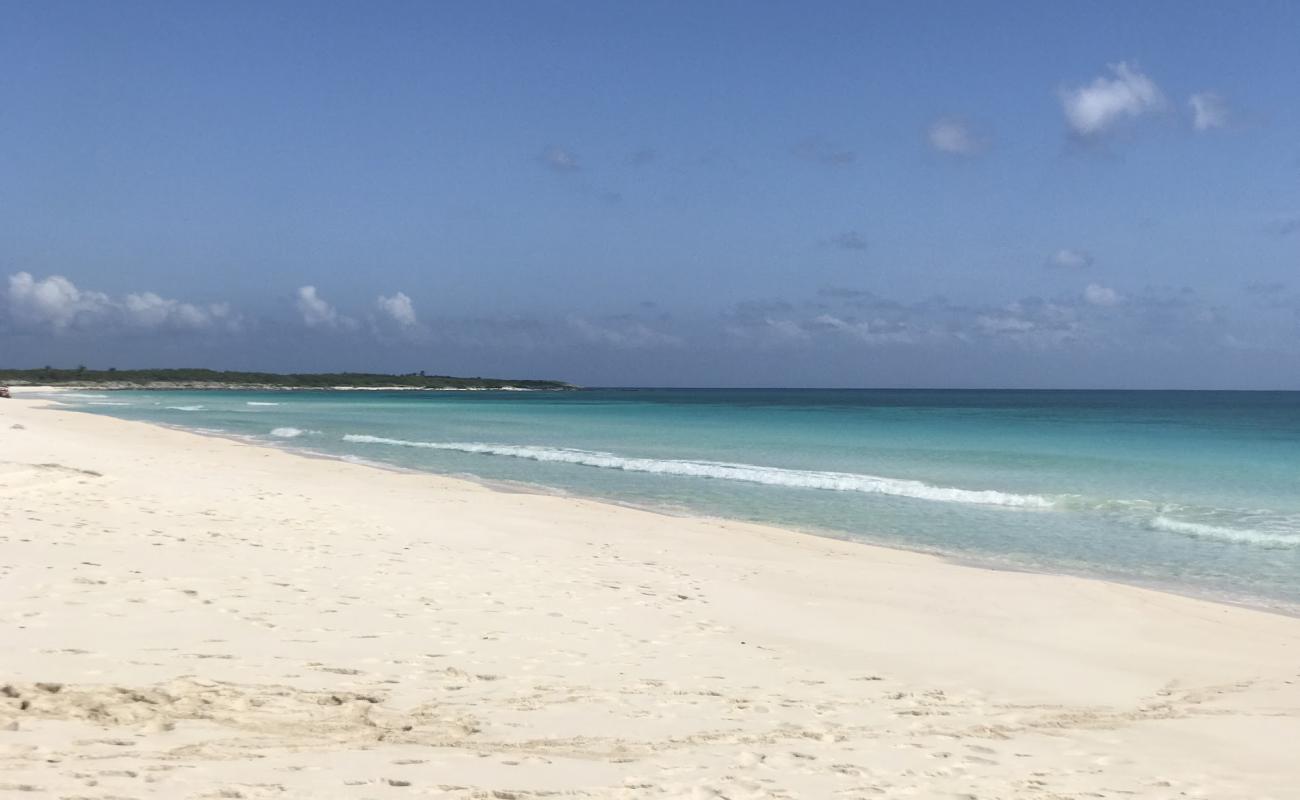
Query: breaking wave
[
  {"x": 748, "y": 473},
  {"x": 289, "y": 433},
  {"x": 1225, "y": 534},
  {"x": 185, "y": 408},
  {"x": 259, "y": 403}
]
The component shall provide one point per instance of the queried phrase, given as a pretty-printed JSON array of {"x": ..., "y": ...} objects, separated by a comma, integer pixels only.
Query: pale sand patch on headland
[{"x": 184, "y": 616}]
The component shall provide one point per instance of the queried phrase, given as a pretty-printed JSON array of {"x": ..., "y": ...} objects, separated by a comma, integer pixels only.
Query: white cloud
[
  {"x": 148, "y": 310},
  {"x": 1209, "y": 110},
  {"x": 57, "y": 302},
  {"x": 995, "y": 324},
  {"x": 1070, "y": 259},
  {"x": 1030, "y": 322},
  {"x": 54, "y": 301},
  {"x": 876, "y": 331},
  {"x": 1099, "y": 295},
  {"x": 954, "y": 138},
  {"x": 399, "y": 309},
  {"x": 1093, "y": 110},
  {"x": 317, "y": 313}
]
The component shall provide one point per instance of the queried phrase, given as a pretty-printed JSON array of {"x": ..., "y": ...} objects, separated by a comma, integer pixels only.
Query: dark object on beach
[{"x": 4, "y": 392}]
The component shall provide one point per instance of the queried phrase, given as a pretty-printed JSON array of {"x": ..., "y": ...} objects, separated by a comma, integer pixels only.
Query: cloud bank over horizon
[{"x": 1095, "y": 321}]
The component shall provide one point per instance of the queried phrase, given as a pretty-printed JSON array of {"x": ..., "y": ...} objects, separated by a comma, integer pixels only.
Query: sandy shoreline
[
  {"x": 187, "y": 616},
  {"x": 1259, "y": 603}
]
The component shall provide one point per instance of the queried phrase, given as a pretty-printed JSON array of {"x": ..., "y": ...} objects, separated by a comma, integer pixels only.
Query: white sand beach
[{"x": 192, "y": 617}]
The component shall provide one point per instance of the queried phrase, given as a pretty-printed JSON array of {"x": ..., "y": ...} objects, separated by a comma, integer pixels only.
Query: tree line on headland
[{"x": 217, "y": 379}]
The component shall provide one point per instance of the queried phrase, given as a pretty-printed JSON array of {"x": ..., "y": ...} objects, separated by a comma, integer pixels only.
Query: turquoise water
[{"x": 1197, "y": 491}]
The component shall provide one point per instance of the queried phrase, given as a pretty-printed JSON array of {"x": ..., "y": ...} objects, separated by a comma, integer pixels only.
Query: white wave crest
[
  {"x": 83, "y": 395},
  {"x": 748, "y": 473},
  {"x": 185, "y": 408},
  {"x": 290, "y": 433},
  {"x": 1225, "y": 534},
  {"x": 257, "y": 403},
  {"x": 106, "y": 403}
]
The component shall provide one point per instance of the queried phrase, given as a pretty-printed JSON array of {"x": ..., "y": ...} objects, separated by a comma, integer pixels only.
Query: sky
[{"x": 690, "y": 193}]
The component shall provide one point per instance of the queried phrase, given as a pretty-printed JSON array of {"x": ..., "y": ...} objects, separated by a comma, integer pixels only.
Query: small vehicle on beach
[{"x": 4, "y": 391}]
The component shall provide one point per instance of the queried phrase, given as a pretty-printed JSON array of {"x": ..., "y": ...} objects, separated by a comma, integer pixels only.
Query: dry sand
[{"x": 183, "y": 616}]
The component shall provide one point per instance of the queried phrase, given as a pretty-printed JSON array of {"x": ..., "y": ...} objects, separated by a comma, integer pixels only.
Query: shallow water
[{"x": 1198, "y": 491}]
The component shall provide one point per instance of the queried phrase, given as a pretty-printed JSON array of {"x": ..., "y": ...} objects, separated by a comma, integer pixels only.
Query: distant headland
[{"x": 191, "y": 379}]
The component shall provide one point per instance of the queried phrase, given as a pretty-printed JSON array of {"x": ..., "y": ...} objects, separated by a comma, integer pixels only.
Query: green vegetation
[{"x": 213, "y": 379}]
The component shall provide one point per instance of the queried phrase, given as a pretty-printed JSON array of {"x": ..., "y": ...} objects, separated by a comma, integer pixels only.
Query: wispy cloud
[
  {"x": 758, "y": 309},
  {"x": 869, "y": 331},
  {"x": 1066, "y": 258},
  {"x": 1031, "y": 323},
  {"x": 844, "y": 293},
  {"x": 848, "y": 240},
  {"x": 767, "y": 331},
  {"x": 560, "y": 159},
  {"x": 1273, "y": 295},
  {"x": 1099, "y": 295},
  {"x": 823, "y": 152},
  {"x": 954, "y": 137},
  {"x": 1283, "y": 225},
  {"x": 1097, "y": 317},
  {"x": 642, "y": 156},
  {"x": 59, "y": 304},
  {"x": 621, "y": 333},
  {"x": 1209, "y": 111},
  {"x": 1094, "y": 110}
]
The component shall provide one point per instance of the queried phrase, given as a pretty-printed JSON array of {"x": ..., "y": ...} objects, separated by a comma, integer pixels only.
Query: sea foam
[
  {"x": 185, "y": 408},
  {"x": 290, "y": 433},
  {"x": 748, "y": 473},
  {"x": 1241, "y": 535},
  {"x": 259, "y": 403}
]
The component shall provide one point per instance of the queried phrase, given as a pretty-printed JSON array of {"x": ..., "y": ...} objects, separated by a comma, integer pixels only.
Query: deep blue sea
[{"x": 1192, "y": 491}]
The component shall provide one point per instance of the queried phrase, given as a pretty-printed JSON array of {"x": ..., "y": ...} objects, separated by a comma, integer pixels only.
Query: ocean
[{"x": 1197, "y": 492}]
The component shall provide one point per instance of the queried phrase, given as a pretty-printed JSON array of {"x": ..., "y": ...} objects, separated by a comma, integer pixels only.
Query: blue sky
[{"x": 834, "y": 194}]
